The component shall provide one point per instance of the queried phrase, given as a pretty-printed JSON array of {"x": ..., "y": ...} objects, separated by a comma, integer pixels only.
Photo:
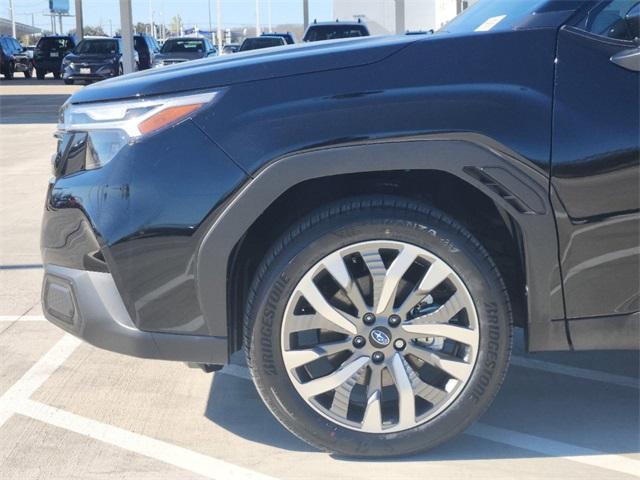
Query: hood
[
  {"x": 247, "y": 66},
  {"x": 91, "y": 57}
]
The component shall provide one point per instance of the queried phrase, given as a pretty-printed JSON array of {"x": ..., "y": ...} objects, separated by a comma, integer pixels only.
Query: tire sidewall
[{"x": 431, "y": 232}]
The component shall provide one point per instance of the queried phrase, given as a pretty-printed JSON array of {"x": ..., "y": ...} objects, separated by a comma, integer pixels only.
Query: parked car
[
  {"x": 319, "y": 31},
  {"x": 9, "y": 49},
  {"x": 147, "y": 48},
  {"x": 368, "y": 220},
  {"x": 49, "y": 52},
  {"x": 183, "y": 49},
  {"x": 230, "y": 48},
  {"x": 289, "y": 38},
  {"x": 257, "y": 43},
  {"x": 95, "y": 58},
  {"x": 24, "y": 62}
]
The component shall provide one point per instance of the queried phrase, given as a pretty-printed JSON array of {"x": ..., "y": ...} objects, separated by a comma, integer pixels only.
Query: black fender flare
[{"x": 508, "y": 179}]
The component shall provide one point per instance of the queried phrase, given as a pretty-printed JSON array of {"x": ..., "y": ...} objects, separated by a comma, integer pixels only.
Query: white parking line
[
  {"x": 577, "y": 372},
  {"x": 36, "y": 376},
  {"x": 552, "y": 448},
  {"x": 22, "y": 318},
  {"x": 150, "y": 447},
  {"x": 17, "y": 400}
]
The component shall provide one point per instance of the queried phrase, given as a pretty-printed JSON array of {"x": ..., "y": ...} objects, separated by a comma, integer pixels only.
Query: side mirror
[{"x": 632, "y": 19}]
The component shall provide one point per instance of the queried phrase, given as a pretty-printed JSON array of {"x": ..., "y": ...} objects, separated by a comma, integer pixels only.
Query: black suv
[
  {"x": 9, "y": 49},
  {"x": 49, "y": 52},
  {"x": 367, "y": 219},
  {"x": 319, "y": 31},
  {"x": 147, "y": 48},
  {"x": 95, "y": 58}
]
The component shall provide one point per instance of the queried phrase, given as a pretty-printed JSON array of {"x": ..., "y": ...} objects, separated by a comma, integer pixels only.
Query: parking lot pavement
[{"x": 68, "y": 410}]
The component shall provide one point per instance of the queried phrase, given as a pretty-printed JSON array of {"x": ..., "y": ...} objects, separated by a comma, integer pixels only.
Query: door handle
[{"x": 629, "y": 59}]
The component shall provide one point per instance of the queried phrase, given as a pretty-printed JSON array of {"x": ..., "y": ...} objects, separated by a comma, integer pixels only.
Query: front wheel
[
  {"x": 68, "y": 82},
  {"x": 378, "y": 327}
]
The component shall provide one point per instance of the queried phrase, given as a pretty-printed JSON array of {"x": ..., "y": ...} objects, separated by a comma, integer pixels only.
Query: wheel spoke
[
  {"x": 406, "y": 395},
  {"x": 453, "y": 366},
  {"x": 437, "y": 273},
  {"x": 323, "y": 308},
  {"x": 333, "y": 380},
  {"x": 312, "y": 321},
  {"x": 297, "y": 358},
  {"x": 447, "y": 330},
  {"x": 342, "y": 394},
  {"x": 422, "y": 389},
  {"x": 372, "y": 421},
  {"x": 392, "y": 278},
  {"x": 334, "y": 264}
]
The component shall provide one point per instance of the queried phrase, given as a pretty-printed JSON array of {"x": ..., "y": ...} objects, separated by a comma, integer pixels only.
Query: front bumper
[
  {"x": 87, "y": 304},
  {"x": 95, "y": 72}
]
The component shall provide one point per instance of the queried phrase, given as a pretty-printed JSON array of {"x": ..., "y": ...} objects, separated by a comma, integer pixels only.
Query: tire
[
  {"x": 8, "y": 75},
  {"x": 280, "y": 293},
  {"x": 40, "y": 74},
  {"x": 56, "y": 75},
  {"x": 28, "y": 73},
  {"x": 68, "y": 82}
]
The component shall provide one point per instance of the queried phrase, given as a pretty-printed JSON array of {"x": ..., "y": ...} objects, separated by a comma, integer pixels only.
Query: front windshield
[
  {"x": 183, "y": 45},
  {"x": 98, "y": 47},
  {"x": 492, "y": 15}
]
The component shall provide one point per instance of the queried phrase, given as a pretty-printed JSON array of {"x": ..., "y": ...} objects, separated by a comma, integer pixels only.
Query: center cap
[{"x": 380, "y": 337}]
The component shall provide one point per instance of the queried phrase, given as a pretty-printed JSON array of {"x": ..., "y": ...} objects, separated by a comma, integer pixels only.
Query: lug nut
[
  {"x": 377, "y": 357},
  {"x": 399, "y": 344},
  {"x": 359, "y": 341},
  {"x": 394, "y": 320},
  {"x": 369, "y": 318}
]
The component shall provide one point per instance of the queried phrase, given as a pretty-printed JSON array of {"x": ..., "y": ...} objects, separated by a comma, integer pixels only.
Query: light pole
[
  {"x": 305, "y": 13},
  {"x": 79, "y": 23},
  {"x": 257, "y": 18},
  {"x": 126, "y": 31},
  {"x": 269, "y": 13},
  {"x": 13, "y": 19},
  {"x": 219, "y": 22},
  {"x": 400, "y": 17}
]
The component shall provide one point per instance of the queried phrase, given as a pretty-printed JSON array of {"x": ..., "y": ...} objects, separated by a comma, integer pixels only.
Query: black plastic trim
[
  {"x": 101, "y": 319},
  {"x": 616, "y": 332},
  {"x": 445, "y": 153}
]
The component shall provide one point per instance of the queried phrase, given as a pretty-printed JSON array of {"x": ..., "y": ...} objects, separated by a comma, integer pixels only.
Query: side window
[{"x": 609, "y": 19}]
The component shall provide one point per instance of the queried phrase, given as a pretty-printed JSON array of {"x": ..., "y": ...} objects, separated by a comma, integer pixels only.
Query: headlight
[{"x": 112, "y": 125}]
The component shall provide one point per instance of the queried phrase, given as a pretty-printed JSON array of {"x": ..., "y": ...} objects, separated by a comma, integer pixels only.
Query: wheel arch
[{"x": 493, "y": 175}]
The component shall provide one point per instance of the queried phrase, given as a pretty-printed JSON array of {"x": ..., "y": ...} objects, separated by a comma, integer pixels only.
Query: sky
[{"x": 234, "y": 12}]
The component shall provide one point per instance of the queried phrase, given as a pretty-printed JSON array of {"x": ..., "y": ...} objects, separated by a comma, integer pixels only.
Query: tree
[
  {"x": 176, "y": 24},
  {"x": 91, "y": 31}
]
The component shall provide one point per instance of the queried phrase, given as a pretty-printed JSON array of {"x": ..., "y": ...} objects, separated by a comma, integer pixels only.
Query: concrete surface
[{"x": 68, "y": 410}]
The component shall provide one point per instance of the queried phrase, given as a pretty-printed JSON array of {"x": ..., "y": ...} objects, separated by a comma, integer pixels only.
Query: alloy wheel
[{"x": 380, "y": 336}]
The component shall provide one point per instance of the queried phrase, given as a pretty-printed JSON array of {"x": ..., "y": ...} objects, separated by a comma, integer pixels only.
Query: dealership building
[{"x": 380, "y": 15}]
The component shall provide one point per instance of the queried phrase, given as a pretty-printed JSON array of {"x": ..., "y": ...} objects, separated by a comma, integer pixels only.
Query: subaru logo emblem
[{"x": 380, "y": 337}]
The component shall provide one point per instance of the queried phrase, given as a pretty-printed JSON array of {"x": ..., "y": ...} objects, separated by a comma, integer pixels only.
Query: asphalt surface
[{"x": 69, "y": 410}]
